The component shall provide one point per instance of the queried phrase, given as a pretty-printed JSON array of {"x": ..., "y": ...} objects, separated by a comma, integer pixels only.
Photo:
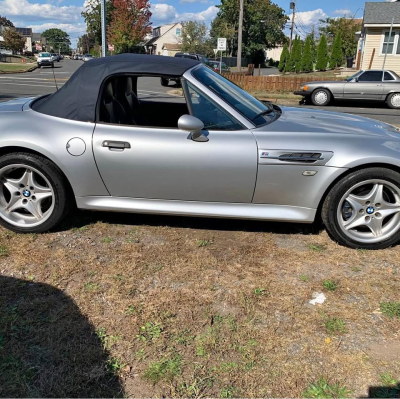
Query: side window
[
  {"x": 210, "y": 113},
  {"x": 388, "y": 76},
  {"x": 371, "y": 76}
]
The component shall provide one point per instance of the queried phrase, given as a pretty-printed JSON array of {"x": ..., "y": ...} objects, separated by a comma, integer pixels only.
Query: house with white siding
[{"x": 374, "y": 40}]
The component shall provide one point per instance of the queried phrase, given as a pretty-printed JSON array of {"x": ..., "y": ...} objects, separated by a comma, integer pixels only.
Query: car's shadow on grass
[
  {"x": 83, "y": 218},
  {"x": 48, "y": 348}
]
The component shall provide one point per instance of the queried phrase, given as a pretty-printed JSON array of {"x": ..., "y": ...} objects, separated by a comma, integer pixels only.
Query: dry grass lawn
[
  {"x": 144, "y": 306},
  {"x": 15, "y": 67}
]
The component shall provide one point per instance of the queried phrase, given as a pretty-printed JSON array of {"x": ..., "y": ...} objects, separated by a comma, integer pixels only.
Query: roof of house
[
  {"x": 382, "y": 12},
  {"x": 171, "y": 46},
  {"x": 154, "y": 39}
]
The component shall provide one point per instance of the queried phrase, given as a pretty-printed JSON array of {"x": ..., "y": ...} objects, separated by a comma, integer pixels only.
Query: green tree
[
  {"x": 298, "y": 55},
  {"x": 57, "y": 39},
  {"x": 284, "y": 58},
  {"x": 13, "y": 40},
  {"x": 313, "y": 47},
  {"x": 263, "y": 25},
  {"x": 307, "y": 64},
  {"x": 336, "y": 59},
  {"x": 347, "y": 27},
  {"x": 294, "y": 63},
  {"x": 322, "y": 54},
  {"x": 220, "y": 28},
  {"x": 5, "y": 22},
  {"x": 194, "y": 38},
  {"x": 92, "y": 17}
]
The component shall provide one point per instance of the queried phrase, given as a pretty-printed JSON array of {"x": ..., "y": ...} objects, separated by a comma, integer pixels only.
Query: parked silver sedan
[
  {"x": 374, "y": 85},
  {"x": 101, "y": 144}
]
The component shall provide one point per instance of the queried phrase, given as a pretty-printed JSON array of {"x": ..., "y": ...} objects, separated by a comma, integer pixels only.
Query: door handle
[{"x": 119, "y": 145}]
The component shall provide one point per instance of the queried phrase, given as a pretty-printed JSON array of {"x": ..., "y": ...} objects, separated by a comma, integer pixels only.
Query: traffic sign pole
[
  {"x": 221, "y": 47},
  {"x": 103, "y": 29}
]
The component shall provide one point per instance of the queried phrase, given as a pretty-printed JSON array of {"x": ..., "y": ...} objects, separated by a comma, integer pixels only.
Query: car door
[
  {"x": 165, "y": 163},
  {"x": 368, "y": 86}
]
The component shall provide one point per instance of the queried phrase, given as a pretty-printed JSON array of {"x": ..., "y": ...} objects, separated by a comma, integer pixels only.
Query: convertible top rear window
[{"x": 254, "y": 110}]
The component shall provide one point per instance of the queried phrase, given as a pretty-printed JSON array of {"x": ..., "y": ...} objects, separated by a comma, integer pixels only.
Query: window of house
[
  {"x": 388, "y": 43},
  {"x": 178, "y": 31}
]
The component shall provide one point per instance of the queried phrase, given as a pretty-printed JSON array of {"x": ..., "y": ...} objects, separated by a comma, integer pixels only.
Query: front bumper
[
  {"x": 45, "y": 62},
  {"x": 302, "y": 93}
]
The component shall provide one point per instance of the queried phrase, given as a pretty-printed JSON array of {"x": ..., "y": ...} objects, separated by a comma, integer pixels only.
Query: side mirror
[{"x": 194, "y": 126}]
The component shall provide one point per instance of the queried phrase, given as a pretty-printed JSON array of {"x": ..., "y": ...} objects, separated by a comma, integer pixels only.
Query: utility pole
[
  {"x": 239, "y": 54},
  {"x": 103, "y": 29},
  {"x": 292, "y": 7},
  {"x": 387, "y": 44}
]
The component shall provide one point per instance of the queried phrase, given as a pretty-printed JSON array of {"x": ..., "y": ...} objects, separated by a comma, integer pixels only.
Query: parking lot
[{"x": 124, "y": 305}]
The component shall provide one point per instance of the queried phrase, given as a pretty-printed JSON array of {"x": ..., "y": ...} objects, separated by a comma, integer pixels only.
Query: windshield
[
  {"x": 351, "y": 78},
  {"x": 255, "y": 111},
  {"x": 44, "y": 55}
]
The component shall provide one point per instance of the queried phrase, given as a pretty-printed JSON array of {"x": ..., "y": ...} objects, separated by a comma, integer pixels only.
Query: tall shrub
[
  {"x": 307, "y": 64},
  {"x": 284, "y": 58},
  {"x": 337, "y": 52},
  {"x": 322, "y": 54}
]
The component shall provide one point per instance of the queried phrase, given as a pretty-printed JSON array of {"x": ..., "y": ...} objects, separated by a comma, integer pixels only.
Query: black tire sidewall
[
  {"x": 332, "y": 201},
  {"x": 57, "y": 181},
  {"x": 327, "y": 101}
]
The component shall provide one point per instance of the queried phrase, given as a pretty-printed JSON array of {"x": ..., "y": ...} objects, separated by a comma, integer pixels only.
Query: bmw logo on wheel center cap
[
  {"x": 370, "y": 210},
  {"x": 26, "y": 193}
]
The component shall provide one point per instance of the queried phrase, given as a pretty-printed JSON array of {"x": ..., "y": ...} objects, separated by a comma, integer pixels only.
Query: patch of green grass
[
  {"x": 184, "y": 337},
  {"x": 91, "y": 287},
  {"x": 334, "y": 325},
  {"x": 20, "y": 67},
  {"x": 304, "y": 278},
  {"x": 115, "y": 365},
  {"x": 390, "y": 309},
  {"x": 227, "y": 392},
  {"x": 204, "y": 243},
  {"x": 149, "y": 332},
  {"x": 323, "y": 389},
  {"x": 166, "y": 370},
  {"x": 317, "y": 247},
  {"x": 131, "y": 310},
  {"x": 4, "y": 251},
  {"x": 330, "y": 285},
  {"x": 260, "y": 291},
  {"x": 108, "y": 341},
  {"x": 387, "y": 379},
  {"x": 108, "y": 240}
]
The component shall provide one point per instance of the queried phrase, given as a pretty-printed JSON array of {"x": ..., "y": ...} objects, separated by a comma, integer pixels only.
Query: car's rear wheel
[
  {"x": 34, "y": 195},
  {"x": 321, "y": 97},
  {"x": 363, "y": 209},
  {"x": 393, "y": 101}
]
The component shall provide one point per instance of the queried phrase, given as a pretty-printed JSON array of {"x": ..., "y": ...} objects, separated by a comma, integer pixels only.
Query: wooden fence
[{"x": 272, "y": 83}]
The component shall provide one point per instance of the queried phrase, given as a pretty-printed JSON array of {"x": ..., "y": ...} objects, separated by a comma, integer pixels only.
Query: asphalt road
[{"x": 41, "y": 81}]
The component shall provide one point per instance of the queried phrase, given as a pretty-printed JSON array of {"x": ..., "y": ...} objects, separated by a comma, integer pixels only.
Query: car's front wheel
[
  {"x": 393, "y": 101},
  {"x": 321, "y": 97},
  {"x": 363, "y": 209},
  {"x": 34, "y": 196}
]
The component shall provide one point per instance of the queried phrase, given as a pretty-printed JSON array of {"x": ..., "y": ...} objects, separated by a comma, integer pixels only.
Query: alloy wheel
[
  {"x": 26, "y": 196},
  {"x": 395, "y": 100},
  {"x": 321, "y": 97},
  {"x": 369, "y": 212}
]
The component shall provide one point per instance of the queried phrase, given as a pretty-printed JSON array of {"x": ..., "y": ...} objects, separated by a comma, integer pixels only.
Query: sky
[{"x": 65, "y": 14}]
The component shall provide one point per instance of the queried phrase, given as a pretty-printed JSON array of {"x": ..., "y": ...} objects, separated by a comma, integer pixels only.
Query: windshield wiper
[{"x": 266, "y": 112}]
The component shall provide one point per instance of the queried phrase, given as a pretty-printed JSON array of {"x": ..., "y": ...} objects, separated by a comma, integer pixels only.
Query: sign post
[
  {"x": 103, "y": 29},
  {"x": 111, "y": 48},
  {"x": 221, "y": 47}
]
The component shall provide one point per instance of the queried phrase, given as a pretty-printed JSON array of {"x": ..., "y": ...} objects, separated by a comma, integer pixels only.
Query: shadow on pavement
[
  {"x": 48, "y": 348},
  {"x": 82, "y": 218},
  {"x": 384, "y": 391}
]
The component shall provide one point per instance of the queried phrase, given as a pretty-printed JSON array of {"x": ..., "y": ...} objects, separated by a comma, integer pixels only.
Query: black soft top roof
[{"x": 77, "y": 99}]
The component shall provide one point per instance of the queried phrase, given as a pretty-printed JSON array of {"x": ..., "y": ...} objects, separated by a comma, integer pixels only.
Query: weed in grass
[
  {"x": 149, "y": 332},
  {"x": 390, "y": 309},
  {"x": 108, "y": 341},
  {"x": 184, "y": 338},
  {"x": 204, "y": 243},
  {"x": 131, "y": 310},
  {"x": 330, "y": 285},
  {"x": 227, "y": 392},
  {"x": 115, "y": 365},
  {"x": 317, "y": 247},
  {"x": 91, "y": 287},
  {"x": 140, "y": 355},
  {"x": 228, "y": 367},
  {"x": 259, "y": 291},
  {"x": 108, "y": 240},
  {"x": 304, "y": 278},
  {"x": 323, "y": 389},
  {"x": 80, "y": 229},
  {"x": 387, "y": 379},
  {"x": 166, "y": 370},
  {"x": 196, "y": 385},
  {"x": 334, "y": 325},
  {"x": 4, "y": 251}
]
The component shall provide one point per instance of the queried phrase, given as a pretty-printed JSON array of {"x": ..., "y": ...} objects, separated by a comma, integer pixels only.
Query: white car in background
[
  {"x": 45, "y": 59},
  {"x": 87, "y": 57}
]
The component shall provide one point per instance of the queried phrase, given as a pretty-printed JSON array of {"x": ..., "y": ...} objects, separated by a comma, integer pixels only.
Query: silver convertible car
[
  {"x": 372, "y": 85},
  {"x": 99, "y": 144}
]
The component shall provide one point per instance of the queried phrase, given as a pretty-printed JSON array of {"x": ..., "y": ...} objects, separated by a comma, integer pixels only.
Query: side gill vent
[{"x": 307, "y": 157}]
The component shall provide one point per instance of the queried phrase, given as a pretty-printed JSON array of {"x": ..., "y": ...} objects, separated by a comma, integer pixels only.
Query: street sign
[
  {"x": 110, "y": 47},
  {"x": 38, "y": 47},
  {"x": 215, "y": 51},
  {"x": 221, "y": 44}
]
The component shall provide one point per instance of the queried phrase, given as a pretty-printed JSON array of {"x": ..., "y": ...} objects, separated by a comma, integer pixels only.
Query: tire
[
  {"x": 164, "y": 82},
  {"x": 321, "y": 97},
  {"x": 47, "y": 190},
  {"x": 393, "y": 101},
  {"x": 369, "y": 220}
]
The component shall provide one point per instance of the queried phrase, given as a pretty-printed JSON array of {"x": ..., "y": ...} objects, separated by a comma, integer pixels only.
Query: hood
[
  {"x": 304, "y": 120},
  {"x": 14, "y": 105}
]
